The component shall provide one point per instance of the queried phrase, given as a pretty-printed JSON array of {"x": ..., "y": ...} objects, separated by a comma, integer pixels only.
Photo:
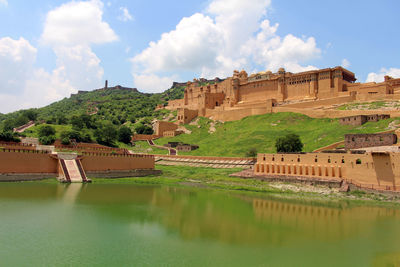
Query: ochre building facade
[
  {"x": 379, "y": 170},
  {"x": 241, "y": 93}
]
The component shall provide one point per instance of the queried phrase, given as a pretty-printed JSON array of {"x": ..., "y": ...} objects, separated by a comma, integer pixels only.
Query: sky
[{"x": 52, "y": 48}]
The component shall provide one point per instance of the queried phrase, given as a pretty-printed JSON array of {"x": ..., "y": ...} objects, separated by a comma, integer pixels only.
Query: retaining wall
[
  {"x": 105, "y": 162},
  {"x": 20, "y": 161}
]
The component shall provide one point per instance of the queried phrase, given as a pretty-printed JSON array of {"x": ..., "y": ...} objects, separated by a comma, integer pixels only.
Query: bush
[
  {"x": 106, "y": 134},
  {"x": 289, "y": 143},
  {"x": 252, "y": 153},
  {"x": 47, "y": 140},
  {"x": 65, "y": 141},
  {"x": 46, "y": 130},
  {"x": 76, "y": 135},
  {"x": 143, "y": 129},
  {"x": 8, "y": 136},
  {"x": 124, "y": 135}
]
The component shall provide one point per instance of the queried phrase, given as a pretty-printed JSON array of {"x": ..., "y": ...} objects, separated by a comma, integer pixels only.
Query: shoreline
[{"x": 221, "y": 179}]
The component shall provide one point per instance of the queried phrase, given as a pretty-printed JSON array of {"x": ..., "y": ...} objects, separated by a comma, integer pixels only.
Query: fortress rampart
[
  {"x": 376, "y": 169},
  {"x": 21, "y": 164},
  {"x": 264, "y": 92}
]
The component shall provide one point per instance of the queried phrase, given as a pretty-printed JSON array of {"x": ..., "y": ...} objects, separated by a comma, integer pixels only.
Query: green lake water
[{"x": 44, "y": 224}]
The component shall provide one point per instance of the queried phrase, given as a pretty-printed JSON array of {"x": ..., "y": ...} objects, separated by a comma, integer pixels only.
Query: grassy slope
[
  {"x": 237, "y": 137},
  {"x": 33, "y": 131}
]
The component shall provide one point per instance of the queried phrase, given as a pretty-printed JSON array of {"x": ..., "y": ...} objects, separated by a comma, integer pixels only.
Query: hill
[
  {"x": 236, "y": 138},
  {"x": 115, "y": 104}
]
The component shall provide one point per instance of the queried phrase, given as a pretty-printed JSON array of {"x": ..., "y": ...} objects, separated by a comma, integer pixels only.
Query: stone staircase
[{"x": 70, "y": 169}]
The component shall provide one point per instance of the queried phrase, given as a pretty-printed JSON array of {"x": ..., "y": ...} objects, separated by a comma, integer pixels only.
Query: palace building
[{"x": 242, "y": 94}]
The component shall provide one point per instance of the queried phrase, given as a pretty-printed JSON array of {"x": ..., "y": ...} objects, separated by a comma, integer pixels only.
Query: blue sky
[{"x": 50, "y": 49}]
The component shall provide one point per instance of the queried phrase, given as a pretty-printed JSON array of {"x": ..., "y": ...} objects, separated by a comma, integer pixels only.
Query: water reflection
[{"x": 98, "y": 213}]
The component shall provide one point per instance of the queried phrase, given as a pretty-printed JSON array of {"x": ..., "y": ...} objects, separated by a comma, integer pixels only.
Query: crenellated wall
[
  {"x": 105, "y": 162},
  {"x": 19, "y": 165},
  {"x": 27, "y": 161},
  {"x": 379, "y": 169}
]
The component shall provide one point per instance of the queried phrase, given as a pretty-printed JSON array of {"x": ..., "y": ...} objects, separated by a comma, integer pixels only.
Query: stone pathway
[
  {"x": 171, "y": 151},
  {"x": 204, "y": 162}
]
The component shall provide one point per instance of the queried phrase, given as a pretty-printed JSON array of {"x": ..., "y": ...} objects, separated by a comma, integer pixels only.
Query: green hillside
[
  {"x": 236, "y": 138},
  {"x": 117, "y": 105}
]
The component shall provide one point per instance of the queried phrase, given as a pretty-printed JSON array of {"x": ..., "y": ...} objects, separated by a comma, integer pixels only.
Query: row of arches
[{"x": 299, "y": 170}]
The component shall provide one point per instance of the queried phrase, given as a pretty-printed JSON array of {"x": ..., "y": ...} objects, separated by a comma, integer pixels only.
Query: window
[{"x": 358, "y": 161}]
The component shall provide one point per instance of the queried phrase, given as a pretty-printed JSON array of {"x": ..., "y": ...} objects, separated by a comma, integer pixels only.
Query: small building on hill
[
  {"x": 354, "y": 141},
  {"x": 361, "y": 119}
]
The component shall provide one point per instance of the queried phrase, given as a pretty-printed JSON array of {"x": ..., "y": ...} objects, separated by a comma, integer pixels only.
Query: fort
[
  {"x": 265, "y": 92},
  {"x": 25, "y": 162},
  {"x": 375, "y": 170}
]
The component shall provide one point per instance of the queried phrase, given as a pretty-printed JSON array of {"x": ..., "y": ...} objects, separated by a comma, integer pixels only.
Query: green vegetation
[
  {"x": 124, "y": 135},
  {"x": 236, "y": 138},
  {"x": 370, "y": 105},
  {"x": 116, "y": 105},
  {"x": 289, "y": 143},
  {"x": 47, "y": 134},
  {"x": 144, "y": 147}
]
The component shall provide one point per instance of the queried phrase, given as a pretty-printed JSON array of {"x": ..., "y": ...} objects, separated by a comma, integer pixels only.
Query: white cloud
[
  {"x": 345, "y": 63},
  {"x": 77, "y": 23},
  {"x": 70, "y": 30},
  {"x": 4, "y": 2},
  {"x": 16, "y": 63},
  {"x": 152, "y": 83},
  {"x": 24, "y": 86},
  {"x": 230, "y": 36},
  {"x": 380, "y": 76},
  {"x": 80, "y": 66},
  {"x": 125, "y": 16}
]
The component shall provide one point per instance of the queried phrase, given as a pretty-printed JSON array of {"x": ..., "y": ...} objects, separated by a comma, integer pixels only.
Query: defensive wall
[
  {"x": 379, "y": 170},
  {"x": 144, "y": 137},
  {"x": 309, "y": 93},
  {"x": 21, "y": 164},
  {"x": 354, "y": 141}
]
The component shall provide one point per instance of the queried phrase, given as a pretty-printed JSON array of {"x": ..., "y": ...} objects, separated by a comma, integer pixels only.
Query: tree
[
  {"x": 47, "y": 140},
  {"x": 124, "y": 135},
  {"x": 289, "y": 143},
  {"x": 46, "y": 134},
  {"x": 31, "y": 114},
  {"x": 143, "y": 129},
  {"x": 252, "y": 153},
  {"x": 9, "y": 136},
  {"x": 46, "y": 130},
  {"x": 106, "y": 134}
]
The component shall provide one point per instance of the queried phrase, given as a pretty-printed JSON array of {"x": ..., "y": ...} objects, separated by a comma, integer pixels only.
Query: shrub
[
  {"x": 106, "y": 134},
  {"x": 252, "y": 153},
  {"x": 47, "y": 140},
  {"x": 143, "y": 129},
  {"x": 124, "y": 135},
  {"x": 46, "y": 130},
  {"x": 65, "y": 141},
  {"x": 289, "y": 143},
  {"x": 8, "y": 136}
]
